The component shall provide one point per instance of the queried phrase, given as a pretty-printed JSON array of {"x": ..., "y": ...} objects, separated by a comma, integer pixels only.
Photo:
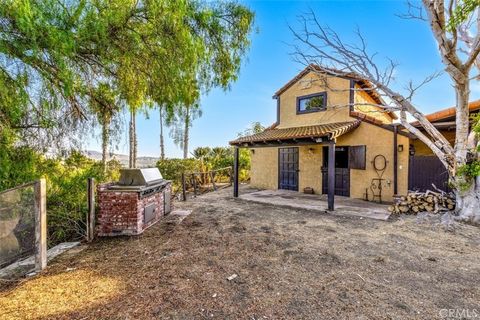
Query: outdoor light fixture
[
  {"x": 252, "y": 150},
  {"x": 400, "y": 147},
  {"x": 318, "y": 140}
]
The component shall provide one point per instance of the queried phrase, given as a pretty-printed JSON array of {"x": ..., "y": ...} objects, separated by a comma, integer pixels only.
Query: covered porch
[
  {"x": 320, "y": 135},
  {"x": 295, "y": 200}
]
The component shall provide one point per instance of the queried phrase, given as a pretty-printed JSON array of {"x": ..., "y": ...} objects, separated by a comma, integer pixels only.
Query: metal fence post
[
  {"x": 40, "y": 225},
  {"x": 91, "y": 209}
]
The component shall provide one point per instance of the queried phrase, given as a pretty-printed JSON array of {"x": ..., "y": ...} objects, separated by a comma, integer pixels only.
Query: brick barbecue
[{"x": 136, "y": 202}]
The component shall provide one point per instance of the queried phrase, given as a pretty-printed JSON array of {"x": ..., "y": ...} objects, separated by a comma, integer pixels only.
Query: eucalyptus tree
[
  {"x": 455, "y": 27},
  {"x": 180, "y": 123},
  {"x": 106, "y": 108},
  {"x": 55, "y": 54},
  {"x": 161, "y": 113}
]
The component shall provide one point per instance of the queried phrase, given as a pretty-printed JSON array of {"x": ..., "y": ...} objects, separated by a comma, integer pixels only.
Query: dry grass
[{"x": 290, "y": 265}]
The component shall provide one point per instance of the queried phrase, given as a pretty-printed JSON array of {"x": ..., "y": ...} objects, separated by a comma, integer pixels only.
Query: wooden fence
[{"x": 202, "y": 182}]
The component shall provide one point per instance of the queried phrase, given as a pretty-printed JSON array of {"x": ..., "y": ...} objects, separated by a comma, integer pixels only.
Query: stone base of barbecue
[{"x": 124, "y": 212}]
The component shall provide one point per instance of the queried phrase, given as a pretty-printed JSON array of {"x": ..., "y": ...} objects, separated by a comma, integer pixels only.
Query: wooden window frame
[{"x": 318, "y": 94}]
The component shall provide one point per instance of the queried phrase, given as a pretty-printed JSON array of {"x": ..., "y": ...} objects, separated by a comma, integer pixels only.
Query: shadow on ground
[{"x": 291, "y": 264}]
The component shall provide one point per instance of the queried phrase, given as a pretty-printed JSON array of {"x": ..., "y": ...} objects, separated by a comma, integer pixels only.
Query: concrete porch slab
[{"x": 296, "y": 200}]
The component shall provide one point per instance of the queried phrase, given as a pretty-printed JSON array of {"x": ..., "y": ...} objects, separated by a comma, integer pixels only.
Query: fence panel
[
  {"x": 23, "y": 225},
  {"x": 425, "y": 171},
  {"x": 17, "y": 224}
]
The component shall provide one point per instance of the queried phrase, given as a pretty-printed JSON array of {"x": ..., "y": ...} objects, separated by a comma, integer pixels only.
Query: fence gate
[{"x": 425, "y": 170}]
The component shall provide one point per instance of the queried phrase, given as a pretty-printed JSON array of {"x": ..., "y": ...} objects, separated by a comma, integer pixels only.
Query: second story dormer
[{"x": 319, "y": 95}]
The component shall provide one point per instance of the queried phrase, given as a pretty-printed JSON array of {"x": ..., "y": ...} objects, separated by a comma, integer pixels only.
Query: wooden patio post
[
  {"x": 40, "y": 225},
  {"x": 91, "y": 209},
  {"x": 331, "y": 175},
  {"x": 235, "y": 172},
  {"x": 395, "y": 159}
]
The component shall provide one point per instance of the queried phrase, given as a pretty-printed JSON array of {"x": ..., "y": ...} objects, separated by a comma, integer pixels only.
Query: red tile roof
[
  {"x": 450, "y": 112},
  {"x": 330, "y": 130}
]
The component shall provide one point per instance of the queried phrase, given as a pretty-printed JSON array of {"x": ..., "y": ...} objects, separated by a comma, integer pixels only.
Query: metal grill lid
[{"x": 140, "y": 177}]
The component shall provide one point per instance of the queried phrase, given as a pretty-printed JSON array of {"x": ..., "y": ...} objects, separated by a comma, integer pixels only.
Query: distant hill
[{"x": 142, "y": 162}]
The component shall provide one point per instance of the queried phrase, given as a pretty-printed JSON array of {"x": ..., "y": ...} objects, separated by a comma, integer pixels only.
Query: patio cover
[{"x": 310, "y": 134}]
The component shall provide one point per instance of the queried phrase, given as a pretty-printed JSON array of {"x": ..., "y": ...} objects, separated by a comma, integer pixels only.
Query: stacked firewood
[{"x": 429, "y": 201}]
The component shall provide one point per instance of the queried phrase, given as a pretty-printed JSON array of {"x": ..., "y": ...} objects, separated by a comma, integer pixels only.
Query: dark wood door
[
  {"x": 342, "y": 181},
  {"x": 288, "y": 168},
  {"x": 425, "y": 170},
  {"x": 342, "y": 172}
]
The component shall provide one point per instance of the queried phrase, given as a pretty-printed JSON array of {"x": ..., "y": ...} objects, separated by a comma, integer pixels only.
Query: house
[
  {"x": 324, "y": 117},
  {"x": 321, "y": 110}
]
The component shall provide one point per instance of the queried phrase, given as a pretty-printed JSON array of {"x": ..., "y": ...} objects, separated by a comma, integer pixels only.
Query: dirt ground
[{"x": 291, "y": 264}]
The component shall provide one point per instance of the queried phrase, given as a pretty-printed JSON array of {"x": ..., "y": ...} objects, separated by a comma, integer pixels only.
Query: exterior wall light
[
  {"x": 400, "y": 148},
  {"x": 252, "y": 150}
]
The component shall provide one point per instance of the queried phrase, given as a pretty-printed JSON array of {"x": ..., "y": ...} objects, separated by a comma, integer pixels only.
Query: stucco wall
[
  {"x": 310, "y": 163},
  {"x": 421, "y": 148},
  {"x": 377, "y": 141},
  {"x": 264, "y": 167},
  {"x": 337, "y": 101},
  {"x": 364, "y": 103}
]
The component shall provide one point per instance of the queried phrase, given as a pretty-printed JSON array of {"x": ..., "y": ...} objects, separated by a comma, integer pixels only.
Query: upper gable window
[{"x": 312, "y": 103}]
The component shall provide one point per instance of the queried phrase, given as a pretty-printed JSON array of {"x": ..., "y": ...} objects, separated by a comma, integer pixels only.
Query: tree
[
  {"x": 255, "y": 127},
  {"x": 162, "y": 141},
  {"x": 55, "y": 54},
  {"x": 320, "y": 45},
  {"x": 180, "y": 124},
  {"x": 106, "y": 108}
]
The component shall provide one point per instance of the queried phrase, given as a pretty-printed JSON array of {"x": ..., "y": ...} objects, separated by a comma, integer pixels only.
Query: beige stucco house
[
  {"x": 321, "y": 109},
  {"x": 327, "y": 116}
]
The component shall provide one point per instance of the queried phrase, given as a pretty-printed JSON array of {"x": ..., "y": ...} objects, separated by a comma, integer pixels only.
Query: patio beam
[
  {"x": 235, "y": 171},
  {"x": 284, "y": 143},
  {"x": 331, "y": 175}
]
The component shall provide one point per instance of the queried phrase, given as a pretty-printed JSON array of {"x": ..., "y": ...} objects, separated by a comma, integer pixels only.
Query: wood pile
[{"x": 429, "y": 201}]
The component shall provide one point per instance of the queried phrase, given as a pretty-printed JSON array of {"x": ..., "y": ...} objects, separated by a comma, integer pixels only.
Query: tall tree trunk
[
  {"x": 462, "y": 121},
  {"x": 162, "y": 142},
  {"x": 105, "y": 139},
  {"x": 468, "y": 199},
  {"x": 186, "y": 133},
  {"x": 132, "y": 141},
  {"x": 135, "y": 140}
]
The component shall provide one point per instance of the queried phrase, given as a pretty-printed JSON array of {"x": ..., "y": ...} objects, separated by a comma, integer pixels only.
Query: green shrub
[
  {"x": 172, "y": 169},
  {"x": 66, "y": 187}
]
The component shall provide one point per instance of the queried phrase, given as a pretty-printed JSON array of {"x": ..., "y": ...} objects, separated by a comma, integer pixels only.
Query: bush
[
  {"x": 172, "y": 169},
  {"x": 205, "y": 159},
  {"x": 66, "y": 187}
]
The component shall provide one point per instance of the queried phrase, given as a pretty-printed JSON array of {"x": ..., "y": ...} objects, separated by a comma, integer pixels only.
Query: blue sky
[{"x": 268, "y": 66}]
